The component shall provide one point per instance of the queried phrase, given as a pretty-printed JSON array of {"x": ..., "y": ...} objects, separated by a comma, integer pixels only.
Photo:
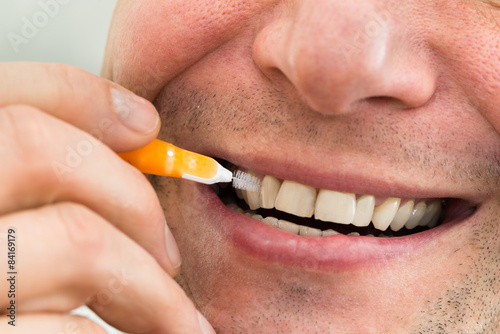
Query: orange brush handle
[{"x": 161, "y": 158}]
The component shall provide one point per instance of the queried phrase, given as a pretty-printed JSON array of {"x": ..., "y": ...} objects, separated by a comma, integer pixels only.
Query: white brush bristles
[{"x": 245, "y": 181}]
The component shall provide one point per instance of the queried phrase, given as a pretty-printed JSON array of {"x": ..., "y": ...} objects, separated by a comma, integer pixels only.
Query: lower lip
[{"x": 334, "y": 253}]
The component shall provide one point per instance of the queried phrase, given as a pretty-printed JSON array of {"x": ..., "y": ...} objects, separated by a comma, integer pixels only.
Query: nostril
[
  {"x": 381, "y": 99},
  {"x": 385, "y": 101}
]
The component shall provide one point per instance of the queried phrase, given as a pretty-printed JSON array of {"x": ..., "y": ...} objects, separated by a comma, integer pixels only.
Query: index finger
[{"x": 117, "y": 117}]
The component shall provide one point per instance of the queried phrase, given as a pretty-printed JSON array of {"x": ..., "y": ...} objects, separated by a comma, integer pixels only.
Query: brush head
[{"x": 245, "y": 181}]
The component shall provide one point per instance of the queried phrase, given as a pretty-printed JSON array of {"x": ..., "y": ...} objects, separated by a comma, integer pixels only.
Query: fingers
[
  {"x": 120, "y": 119},
  {"x": 89, "y": 252},
  {"x": 38, "y": 169},
  {"x": 68, "y": 255},
  {"x": 51, "y": 323}
]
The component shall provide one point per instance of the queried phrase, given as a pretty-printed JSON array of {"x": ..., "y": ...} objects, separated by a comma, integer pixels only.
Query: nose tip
[
  {"x": 310, "y": 51},
  {"x": 341, "y": 87}
]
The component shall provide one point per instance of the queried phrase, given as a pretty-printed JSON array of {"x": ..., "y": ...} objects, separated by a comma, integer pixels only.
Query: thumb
[{"x": 117, "y": 117}]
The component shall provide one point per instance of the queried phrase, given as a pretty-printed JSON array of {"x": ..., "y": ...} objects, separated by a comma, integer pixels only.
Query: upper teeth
[{"x": 342, "y": 208}]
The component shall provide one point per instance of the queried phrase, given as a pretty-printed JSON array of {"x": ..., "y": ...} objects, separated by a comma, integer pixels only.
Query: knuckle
[
  {"x": 11, "y": 128},
  {"x": 69, "y": 79},
  {"x": 85, "y": 231},
  {"x": 148, "y": 205},
  {"x": 65, "y": 76},
  {"x": 24, "y": 129},
  {"x": 15, "y": 119}
]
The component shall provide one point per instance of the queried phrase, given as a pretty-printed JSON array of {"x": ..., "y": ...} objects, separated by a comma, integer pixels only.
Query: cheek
[
  {"x": 152, "y": 42},
  {"x": 469, "y": 45}
]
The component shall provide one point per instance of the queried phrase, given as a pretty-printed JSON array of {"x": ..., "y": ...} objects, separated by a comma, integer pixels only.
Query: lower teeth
[{"x": 321, "y": 229}]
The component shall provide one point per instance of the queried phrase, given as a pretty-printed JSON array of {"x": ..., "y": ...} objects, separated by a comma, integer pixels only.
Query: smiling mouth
[{"x": 307, "y": 211}]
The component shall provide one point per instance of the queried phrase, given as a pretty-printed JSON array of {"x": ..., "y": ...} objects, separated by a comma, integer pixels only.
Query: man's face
[{"x": 392, "y": 99}]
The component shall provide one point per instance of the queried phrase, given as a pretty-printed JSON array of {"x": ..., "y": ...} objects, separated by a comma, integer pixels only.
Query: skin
[
  {"x": 84, "y": 237},
  {"x": 417, "y": 101},
  {"x": 373, "y": 97}
]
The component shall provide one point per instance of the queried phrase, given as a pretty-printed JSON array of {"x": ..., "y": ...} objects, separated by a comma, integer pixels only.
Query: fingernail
[
  {"x": 172, "y": 249},
  {"x": 205, "y": 326},
  {"x": 134, "y": 112}
]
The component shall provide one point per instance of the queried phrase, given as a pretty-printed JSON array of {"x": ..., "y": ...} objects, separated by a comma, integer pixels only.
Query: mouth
[
  {"x": 326, "y": 221},
  {"x": 307, "y": 211}
]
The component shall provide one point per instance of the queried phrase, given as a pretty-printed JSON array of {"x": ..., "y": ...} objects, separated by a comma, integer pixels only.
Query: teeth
[
  {"x": 402, "y": 216},
  {"x": 232, "y": 206},
  {"x": 364, "y": 210},
  {"x": 239, "y": 193},
  {"x": 252, "y": 198},
  {"x": 288, "y": 226},
  {"x": 329, "y": 233},
  {"x": 434, "y": 220},
  {"x": 296, "y": 199},
  {"x": 335, "y": 207},
  {"x": 416, "y": 215},
  {"x": 268, "y": 191},
  {"x": 258, "y": 217},
  {"x": 271, "y": 221},
  {"x": 307, "y": 231},
  {"x": 430, "y": 212},
  {"x": 385, "y": 213}
]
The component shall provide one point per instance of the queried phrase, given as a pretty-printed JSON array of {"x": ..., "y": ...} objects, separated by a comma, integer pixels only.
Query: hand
[{"x": 88, "y": 227}]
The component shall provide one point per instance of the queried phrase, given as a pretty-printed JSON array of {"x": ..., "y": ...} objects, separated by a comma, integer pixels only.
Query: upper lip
[
  {"x": 342, "y": 178},
  {"x": 333, "y": 168}
]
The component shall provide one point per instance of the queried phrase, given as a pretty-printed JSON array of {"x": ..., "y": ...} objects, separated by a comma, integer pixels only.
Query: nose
[{"x": 340, "y": 55}]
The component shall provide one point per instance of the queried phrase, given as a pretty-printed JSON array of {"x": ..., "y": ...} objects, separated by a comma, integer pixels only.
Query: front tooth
[
  {"x": 307, "y": 231},
  {"x": 402, "y": 216},
  {"x": 288, "y": 226},
  {"x": 364, "y": 211},
  {"x": 335, "y": 207},
  {"x": 416, "y": 215},
  {"x": 430, "y": 212},
  {"x": 296, "y": 199},
  {"x": 268, "y": 191},
  {"x": 385, "y": 212}
]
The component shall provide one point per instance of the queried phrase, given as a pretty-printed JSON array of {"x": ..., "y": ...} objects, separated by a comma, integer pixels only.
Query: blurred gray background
[{"x": 58, "y": 31}]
